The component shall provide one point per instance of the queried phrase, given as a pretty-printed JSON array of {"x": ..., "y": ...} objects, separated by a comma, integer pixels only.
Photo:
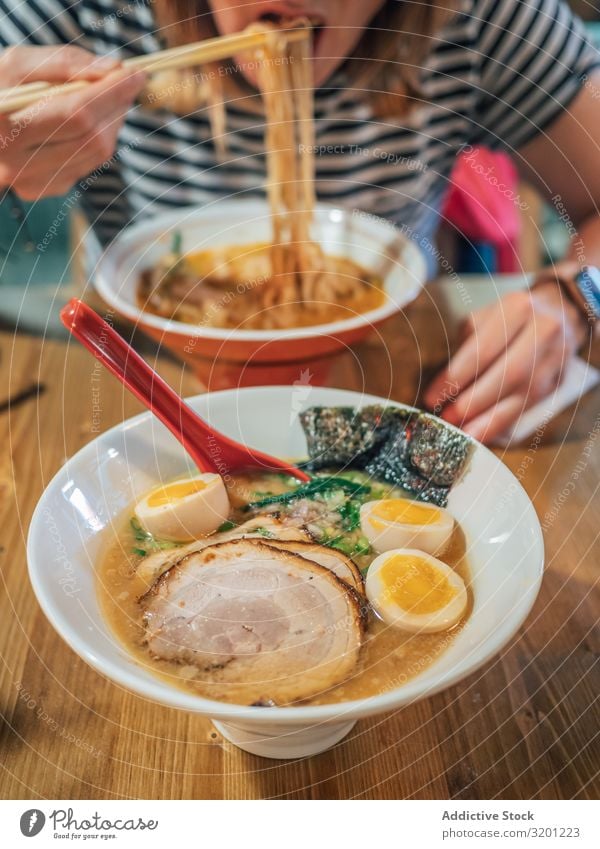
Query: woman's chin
[
  {"x": 323, "y": 69},
  {"x": 243, "y": 66}
]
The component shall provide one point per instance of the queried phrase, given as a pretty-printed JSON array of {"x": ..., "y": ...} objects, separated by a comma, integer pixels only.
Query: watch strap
[
  {"x": 588, "y": 285},
  {"x": 582, "y": 289}
]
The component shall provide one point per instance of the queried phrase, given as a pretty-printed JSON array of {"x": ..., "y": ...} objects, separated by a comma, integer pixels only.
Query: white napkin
[{"x": 578, "y": 379}]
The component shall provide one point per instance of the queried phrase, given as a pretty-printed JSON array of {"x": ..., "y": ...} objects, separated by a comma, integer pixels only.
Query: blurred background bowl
[{"x": 230, "y": 357}]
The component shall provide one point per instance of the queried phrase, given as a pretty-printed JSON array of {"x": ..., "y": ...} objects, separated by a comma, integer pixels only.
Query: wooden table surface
[{"x": 525, "y": 726}]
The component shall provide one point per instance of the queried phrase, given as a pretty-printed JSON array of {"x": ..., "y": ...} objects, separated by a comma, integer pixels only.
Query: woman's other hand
[
  {"x": 514, "y": 354},
  {"x": 48, "y": 146}
]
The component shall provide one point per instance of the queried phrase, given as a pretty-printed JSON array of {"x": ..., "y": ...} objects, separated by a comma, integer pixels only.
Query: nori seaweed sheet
[
  {"x": 339, "y": 436},
  {"x": 407, "y": 449}
]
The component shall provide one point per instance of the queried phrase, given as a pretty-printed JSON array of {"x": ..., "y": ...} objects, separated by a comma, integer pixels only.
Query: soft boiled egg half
[
  {"x": 185, "y": 509},
  {"x": 415, "y": 591},
  {"x": 402, "y": 523}
]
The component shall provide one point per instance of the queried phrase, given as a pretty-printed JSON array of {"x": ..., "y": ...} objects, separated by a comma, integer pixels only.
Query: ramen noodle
[{"x": 292, "y": 282}]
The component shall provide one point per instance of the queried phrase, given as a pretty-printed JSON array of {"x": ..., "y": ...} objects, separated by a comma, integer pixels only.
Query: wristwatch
[{"x": 582, "y": 289}]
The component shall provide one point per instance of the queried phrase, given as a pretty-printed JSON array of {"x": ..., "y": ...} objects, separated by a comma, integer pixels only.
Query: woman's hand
[
  {"x": 515, "y": 354},
  {"x": 48, "y": 146}
]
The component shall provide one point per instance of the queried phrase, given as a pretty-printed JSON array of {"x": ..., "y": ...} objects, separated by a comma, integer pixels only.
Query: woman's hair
[{"x": 386, "y": 61}]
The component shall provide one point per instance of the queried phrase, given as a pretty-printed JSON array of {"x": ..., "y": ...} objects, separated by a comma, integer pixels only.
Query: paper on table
[{"x": 579, "y": 378}]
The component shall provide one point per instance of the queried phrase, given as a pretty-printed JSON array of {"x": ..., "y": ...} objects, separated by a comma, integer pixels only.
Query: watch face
[{"x": 588, "y": 283}]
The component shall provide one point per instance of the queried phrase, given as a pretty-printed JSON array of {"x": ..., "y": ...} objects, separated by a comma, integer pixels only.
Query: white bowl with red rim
[{"x": 224, "y": 357}]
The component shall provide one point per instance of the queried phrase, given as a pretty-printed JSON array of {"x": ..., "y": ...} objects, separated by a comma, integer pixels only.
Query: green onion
[
  {"x": 316, "y": 486},
  {"x": 350, "y": 513},
  {"x": 152, "y": 543},
  {"x": 138, "y": 532},
  {"x": 176, "y": 243},
  {"x": 352, "y": 547},
  {"x": 263, "y": 532},
  {"x": 363, "y": 546}
]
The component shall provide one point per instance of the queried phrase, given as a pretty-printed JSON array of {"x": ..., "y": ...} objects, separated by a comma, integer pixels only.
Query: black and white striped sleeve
[
  {"x": 533, "y": 59},
  {"x": 40, "y": 22}
]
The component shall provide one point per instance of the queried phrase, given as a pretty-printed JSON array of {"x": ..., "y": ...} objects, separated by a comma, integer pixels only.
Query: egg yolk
[
  {"x": 406, "y": 512},
  {"x": 174, "y": 492},
  {"x": 415, "y": 585}
]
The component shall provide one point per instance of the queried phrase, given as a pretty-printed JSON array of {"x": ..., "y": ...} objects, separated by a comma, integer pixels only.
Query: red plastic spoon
[{"x": 210, "y": 450}]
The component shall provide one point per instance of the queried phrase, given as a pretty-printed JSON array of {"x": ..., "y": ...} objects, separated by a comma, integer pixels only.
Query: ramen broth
[
  {"x": 234, "y": 287},
  {"x": 389, "y": 656}
]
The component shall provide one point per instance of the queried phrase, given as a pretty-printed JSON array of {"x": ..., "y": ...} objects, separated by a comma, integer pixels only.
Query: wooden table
[{"x": 525, "y": 726}]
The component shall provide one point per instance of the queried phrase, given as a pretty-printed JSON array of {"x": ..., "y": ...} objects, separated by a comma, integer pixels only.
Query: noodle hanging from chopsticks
[
  {"x": 291, "y": 282},
  {"x": 284, "y": 74}
]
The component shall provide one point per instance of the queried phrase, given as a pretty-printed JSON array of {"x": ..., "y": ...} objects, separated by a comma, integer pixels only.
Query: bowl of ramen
[
  {"x": 252, "y": 292},
  {"x": 286, "y": 612},
  {"x": 201, "y": 282}
]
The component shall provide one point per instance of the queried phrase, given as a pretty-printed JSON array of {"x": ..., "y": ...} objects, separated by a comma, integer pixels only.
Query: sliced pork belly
[
  {"x": 337, "y": 562},
  {"x": 260, "y": 624},
  {"x": 154, "y": 565}
]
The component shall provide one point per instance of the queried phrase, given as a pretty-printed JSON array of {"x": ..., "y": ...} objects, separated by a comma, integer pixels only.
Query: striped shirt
[{"x": 499, "y": 73}]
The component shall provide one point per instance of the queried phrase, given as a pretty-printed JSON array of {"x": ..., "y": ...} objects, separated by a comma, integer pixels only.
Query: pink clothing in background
[{"x": 484, "y": 203}]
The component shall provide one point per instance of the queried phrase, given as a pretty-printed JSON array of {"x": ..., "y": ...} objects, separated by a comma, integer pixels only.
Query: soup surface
[
  {"x": 236, "y": 287},
  {"x": 389, "y": 656}
]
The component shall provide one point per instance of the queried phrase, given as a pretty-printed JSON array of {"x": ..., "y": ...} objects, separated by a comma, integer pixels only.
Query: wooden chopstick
[
  {"x": 188, "y": 55},
  {"x": 24, "y": 88}
]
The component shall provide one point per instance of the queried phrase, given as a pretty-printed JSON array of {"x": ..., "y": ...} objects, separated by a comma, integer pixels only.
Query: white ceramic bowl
[
  {"x": 72, "y": 524},
  {"x": 232, "y": 357}
]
